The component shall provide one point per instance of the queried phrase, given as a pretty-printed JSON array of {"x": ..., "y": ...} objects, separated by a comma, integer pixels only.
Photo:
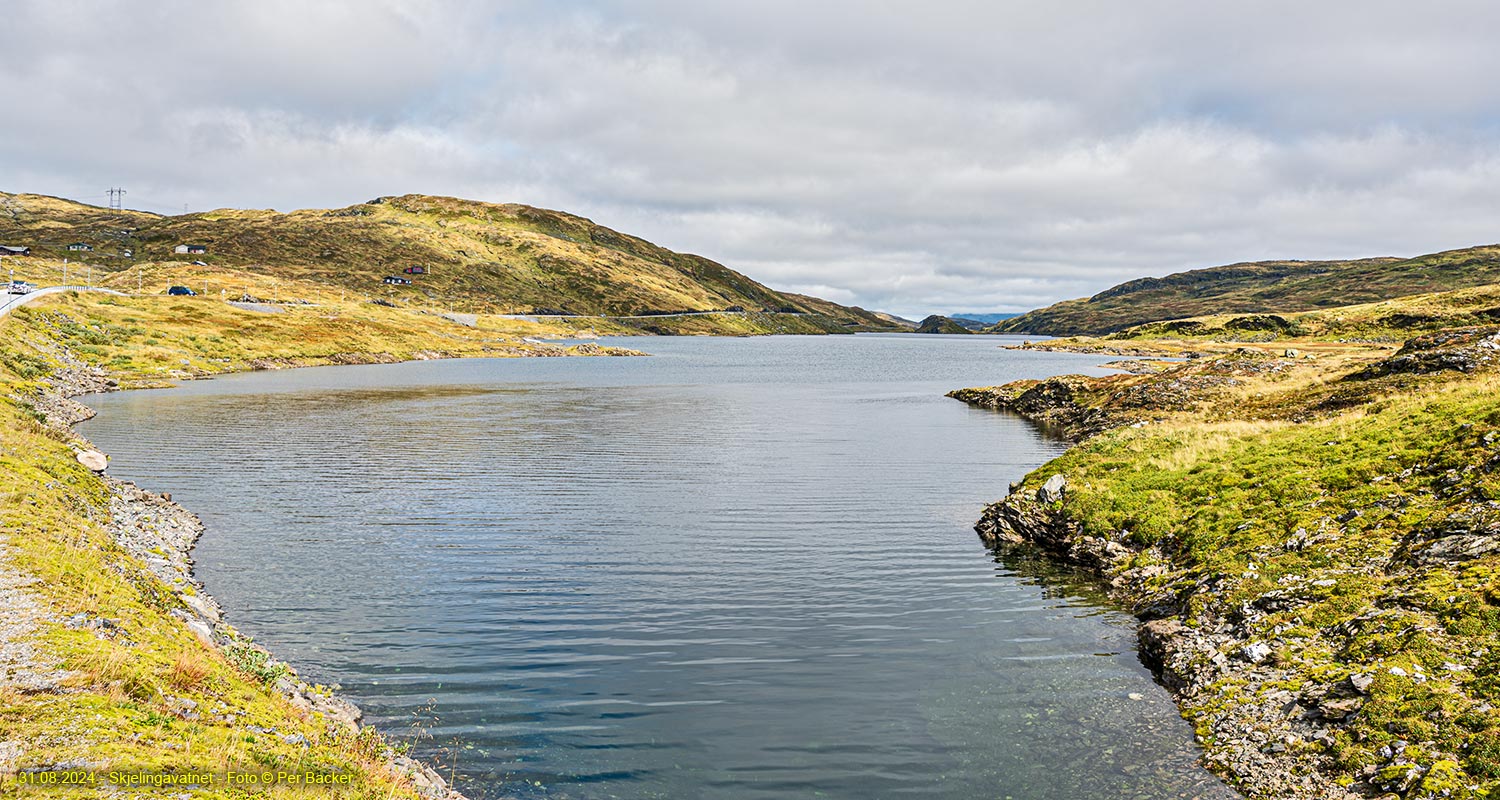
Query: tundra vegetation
[
  {"x": 105, "y": 661},
  {"x": 1261, "y": 287},
  {"x": 1305, "y": 513},
  {"x": 110, "y": 656},
  {"x": 474, "y": 257},
  {"x": 102, "y": 670}
]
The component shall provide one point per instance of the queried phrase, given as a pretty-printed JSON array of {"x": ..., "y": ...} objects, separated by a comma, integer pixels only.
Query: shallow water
[{"x": 743, "y": 568}]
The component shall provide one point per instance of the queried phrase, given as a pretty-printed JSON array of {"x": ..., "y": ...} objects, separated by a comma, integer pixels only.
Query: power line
[
  {"x": 138, "y": 203},
  {"x": 146, "y": 202},
  {"x": 115, "y": 198}
]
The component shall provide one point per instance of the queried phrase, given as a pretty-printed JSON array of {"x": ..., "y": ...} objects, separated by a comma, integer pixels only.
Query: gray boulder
[{"x": 1052, "y": 490}]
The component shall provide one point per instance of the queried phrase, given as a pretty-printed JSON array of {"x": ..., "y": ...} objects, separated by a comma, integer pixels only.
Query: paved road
[
  {"x": 539, "y": 317},
  {"x": 18, "y": 300},
  {"x": 13, "y": 301}
]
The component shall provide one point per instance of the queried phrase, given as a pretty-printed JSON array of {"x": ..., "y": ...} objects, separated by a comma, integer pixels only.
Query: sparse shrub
[
  {"x": 190, "y": 669},
  {"x": 256, "y": 662},
  {"x": 1484, "y": 754},
  {"x": 24, "y": 366},
  {"x": 30, "y": 414}
]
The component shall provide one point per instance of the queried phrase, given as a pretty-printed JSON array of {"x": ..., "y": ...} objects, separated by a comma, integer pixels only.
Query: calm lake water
[{"x": 743, "y": 568}]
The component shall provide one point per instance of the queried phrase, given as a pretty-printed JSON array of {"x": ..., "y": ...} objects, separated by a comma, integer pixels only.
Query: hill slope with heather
[
  {"x": 1261, "y": 287},
  {"x": 510, "y": 258},
  {"x": 1301, "y": 510}
]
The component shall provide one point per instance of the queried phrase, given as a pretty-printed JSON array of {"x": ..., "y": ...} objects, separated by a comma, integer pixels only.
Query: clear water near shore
[{"x": 743, "y": 568}]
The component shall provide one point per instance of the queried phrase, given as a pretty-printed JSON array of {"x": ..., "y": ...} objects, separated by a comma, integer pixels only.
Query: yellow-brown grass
[{"x": 190, "y": 668}]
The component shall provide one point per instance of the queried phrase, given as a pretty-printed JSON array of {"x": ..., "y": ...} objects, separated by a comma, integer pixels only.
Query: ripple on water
[{"x": 741, "y": 569}]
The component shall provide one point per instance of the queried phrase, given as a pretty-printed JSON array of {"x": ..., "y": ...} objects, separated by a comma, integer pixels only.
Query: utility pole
[{"x": 116, "y": 197}]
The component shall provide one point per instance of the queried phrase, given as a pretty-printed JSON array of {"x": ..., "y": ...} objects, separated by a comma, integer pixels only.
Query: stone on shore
[{"x": 1052, "y": 490}]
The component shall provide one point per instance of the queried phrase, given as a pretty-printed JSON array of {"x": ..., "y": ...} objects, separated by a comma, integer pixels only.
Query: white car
[{"x": 20, "y": 287}]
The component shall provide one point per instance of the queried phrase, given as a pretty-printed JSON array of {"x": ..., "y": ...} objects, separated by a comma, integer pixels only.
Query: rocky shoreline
[
  {"x": 161, "y": 534},
  {"x": 1328, "y": 654},
  {"x": 1261, "y": 748}
]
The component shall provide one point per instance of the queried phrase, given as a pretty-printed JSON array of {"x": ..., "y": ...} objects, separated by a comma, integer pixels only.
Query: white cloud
[{"x": 942, "y": 156}]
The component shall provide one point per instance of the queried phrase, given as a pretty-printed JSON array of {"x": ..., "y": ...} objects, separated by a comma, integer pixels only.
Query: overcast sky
[{"x": 911, "y": 157}]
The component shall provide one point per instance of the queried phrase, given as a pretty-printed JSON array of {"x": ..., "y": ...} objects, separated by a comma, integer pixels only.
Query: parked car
[
  {"x": 181, "y": 290},
  {"x": 20, "y": 287}
]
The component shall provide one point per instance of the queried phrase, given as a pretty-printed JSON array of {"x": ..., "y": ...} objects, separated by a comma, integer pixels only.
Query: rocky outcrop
[
  {"x": 1455, "y": 349},
  {"x": 595, "y": 349},
  {"x": 1264, "y": 745},
  {"x": 1260, "y": 322},
  {"x": 1343, "y": 652},
  {"x": 1469, "y": 534},
  {"x": 1078, "y": 406},
  {"x": 1055, "y": 403},
  {"x": 72, "y": 378}
]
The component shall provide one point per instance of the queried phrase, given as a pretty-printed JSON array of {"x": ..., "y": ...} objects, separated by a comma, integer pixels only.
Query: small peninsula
[{"x": 1301, "y": 508}]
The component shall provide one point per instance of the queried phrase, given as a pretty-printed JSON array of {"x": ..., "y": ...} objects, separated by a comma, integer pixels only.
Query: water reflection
[{"x": 739, "y": 569}]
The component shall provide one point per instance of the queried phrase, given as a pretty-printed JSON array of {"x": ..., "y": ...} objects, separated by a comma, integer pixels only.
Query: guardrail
[{"x": 14, "y": 301}]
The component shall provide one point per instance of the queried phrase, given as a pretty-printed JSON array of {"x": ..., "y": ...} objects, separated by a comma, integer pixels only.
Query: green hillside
[
  {"x": 1388, "y": 321},
  {"x": 1301, "y": 510},
  {"x": 1261, "y": 287},
  {"x": 510, "y": 258},
  {"x": 940, "y": 324}
]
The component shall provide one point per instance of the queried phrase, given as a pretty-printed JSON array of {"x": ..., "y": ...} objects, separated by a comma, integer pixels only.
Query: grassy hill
[
  {"x": 484, "y": 257},
  {"x": 941, "y": 324},
  {"x": 1303, "y": 516},
  {"x": 1261, "y": 287},
  {"x": 1387, "y": 321}
]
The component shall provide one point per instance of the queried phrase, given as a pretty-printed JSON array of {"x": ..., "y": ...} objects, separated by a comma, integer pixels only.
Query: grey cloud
[{"x": 972, "y": 155}]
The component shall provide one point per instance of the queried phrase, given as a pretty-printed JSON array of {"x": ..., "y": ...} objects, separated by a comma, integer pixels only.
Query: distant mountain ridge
[
  {"x": 520, "y": 258},
  {"x": 986, "y": 318},
  {"x": 1260, "y": 287},
  {"x": 940, "y": 324}
]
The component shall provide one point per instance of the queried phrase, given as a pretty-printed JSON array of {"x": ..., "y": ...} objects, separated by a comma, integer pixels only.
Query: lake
[{"x": 741, "y": 568}]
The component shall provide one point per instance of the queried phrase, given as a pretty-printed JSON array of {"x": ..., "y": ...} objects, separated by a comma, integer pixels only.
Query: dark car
[{"x": 181, "y": 290}]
